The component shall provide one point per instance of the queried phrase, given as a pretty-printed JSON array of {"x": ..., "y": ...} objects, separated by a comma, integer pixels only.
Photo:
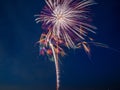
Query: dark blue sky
[{"x": 21, "y": 68}]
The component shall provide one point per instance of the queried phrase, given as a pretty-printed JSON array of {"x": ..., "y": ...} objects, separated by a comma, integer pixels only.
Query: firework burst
[{"x": 65, "y": 24}]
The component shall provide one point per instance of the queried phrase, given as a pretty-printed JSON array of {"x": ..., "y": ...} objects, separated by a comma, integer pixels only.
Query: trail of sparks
[
  {"x": 65, "y": 24},
  {"x": 56, "y": 66}
]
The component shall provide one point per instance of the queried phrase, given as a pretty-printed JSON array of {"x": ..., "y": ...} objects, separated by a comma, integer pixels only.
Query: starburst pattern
[{"x": 65, "y": 24}]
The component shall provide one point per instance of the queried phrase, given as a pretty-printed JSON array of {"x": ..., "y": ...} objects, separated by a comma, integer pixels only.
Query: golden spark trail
[{"x": 56, "y": 66}]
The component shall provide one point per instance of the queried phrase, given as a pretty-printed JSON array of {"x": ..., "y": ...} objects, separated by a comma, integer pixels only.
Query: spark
[{"x": 66, "y": 25}]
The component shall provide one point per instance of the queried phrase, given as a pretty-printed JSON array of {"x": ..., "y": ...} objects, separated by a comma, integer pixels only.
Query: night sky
[{"x": 21, "y": 67}]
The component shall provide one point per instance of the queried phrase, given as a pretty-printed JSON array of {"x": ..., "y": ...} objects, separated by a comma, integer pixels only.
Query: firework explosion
[{"x": 65, "y": 24}]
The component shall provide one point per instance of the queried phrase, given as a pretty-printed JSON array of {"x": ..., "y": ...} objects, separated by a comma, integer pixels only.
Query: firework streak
[{"x": 65, "y": 24}]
